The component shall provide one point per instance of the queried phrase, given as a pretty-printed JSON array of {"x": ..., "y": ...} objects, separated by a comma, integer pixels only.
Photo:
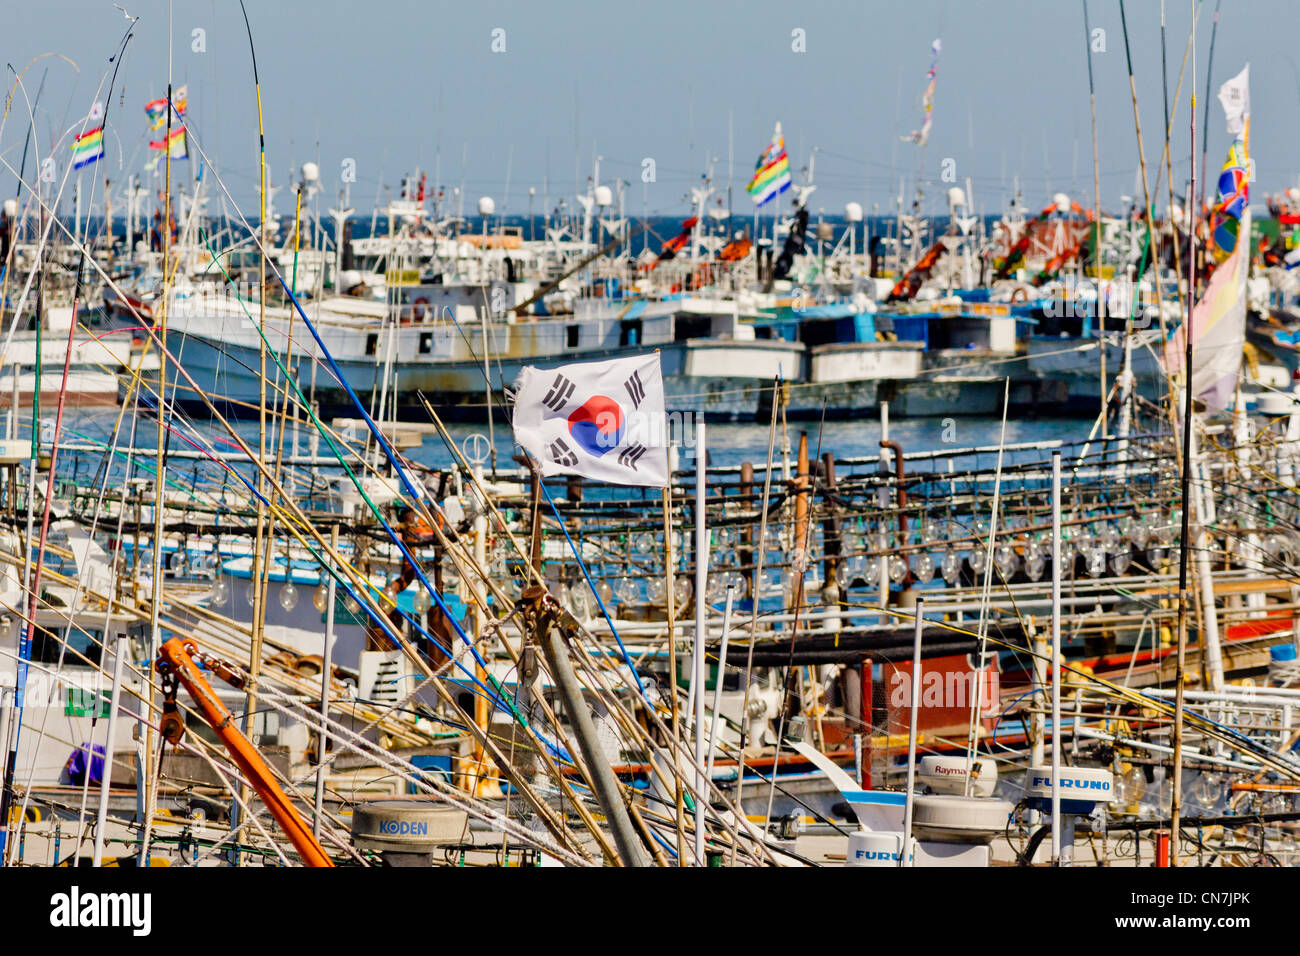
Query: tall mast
[
  {"x": 255, "y": 573},
  {"x": 153, "y": 751},
  {"x": 1183, "y": 595},
  {"x": 1096, "y": 219}
]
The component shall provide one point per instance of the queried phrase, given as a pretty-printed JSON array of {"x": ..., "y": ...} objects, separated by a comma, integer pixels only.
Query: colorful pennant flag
[
  {"x": 1218, "y": 320},
  {"x": 179, "y": 147},
  {"x": 156, "y": 110},
  {"x": 1218, "y": 329},
  {"x": 1233, "y": 193},
  {"x": 922, "y": 136},
  {"x": 771, "y": 172}
]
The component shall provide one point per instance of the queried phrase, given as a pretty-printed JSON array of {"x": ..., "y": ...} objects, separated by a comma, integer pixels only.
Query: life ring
[{"x": 420, "y": 310}]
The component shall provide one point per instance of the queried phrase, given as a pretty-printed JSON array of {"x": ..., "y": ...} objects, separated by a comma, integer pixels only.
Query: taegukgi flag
[{"x": 601, "y": 420}]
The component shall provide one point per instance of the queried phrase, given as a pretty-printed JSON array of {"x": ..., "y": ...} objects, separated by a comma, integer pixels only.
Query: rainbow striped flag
[
  {"x": 771, "y": 172},
  {"x": 88, "y": 147},
  {"x": 179, "y": 146}
]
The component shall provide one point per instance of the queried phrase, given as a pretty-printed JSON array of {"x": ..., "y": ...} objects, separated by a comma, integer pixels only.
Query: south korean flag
[{"x": 601, "y": 420}]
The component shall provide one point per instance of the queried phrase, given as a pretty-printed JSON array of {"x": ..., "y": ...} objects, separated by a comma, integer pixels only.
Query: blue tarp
[
  {"x": 76, "y": 765},
  {"x": 912, "y": 328}
]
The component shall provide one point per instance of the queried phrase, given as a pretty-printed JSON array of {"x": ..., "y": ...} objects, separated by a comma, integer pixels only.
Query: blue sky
[{"x": 394, "y": 84}]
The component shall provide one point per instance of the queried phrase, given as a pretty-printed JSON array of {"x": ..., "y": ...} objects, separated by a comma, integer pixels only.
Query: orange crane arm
[{"x": 176, "y": 658}]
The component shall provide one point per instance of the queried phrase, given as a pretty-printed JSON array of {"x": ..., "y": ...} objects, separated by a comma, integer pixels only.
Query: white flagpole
[
  {"x": 1056, "y": 658},
  {"x": 913, "y": 720},
  {"x": 717, "y": 684},
  {"x": 699, "y": 670},
  {"x": 106, "y": 778}
]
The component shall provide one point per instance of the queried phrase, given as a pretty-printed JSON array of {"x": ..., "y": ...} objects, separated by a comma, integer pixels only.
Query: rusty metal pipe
[{"x": 900, "y": 494}]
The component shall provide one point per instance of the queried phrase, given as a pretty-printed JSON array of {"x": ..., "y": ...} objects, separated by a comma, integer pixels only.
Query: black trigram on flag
[
  {"x": 635, "y": 389},
  {"x": 561, "y": 453},
  {"x": 629, "y": 456},
  {"x": 558, "y": 395}
]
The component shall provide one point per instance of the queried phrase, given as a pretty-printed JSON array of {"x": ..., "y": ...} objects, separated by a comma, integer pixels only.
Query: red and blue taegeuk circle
[{"x": 597, "y": 425}]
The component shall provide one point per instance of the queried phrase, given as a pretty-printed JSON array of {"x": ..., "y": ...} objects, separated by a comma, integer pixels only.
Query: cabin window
[
  {"x": 372, "y": 343},
  {"x": 692, "y": 327},
  {"x": 426, "y": 343},
  {"x": 571, "y": 336},
  {"x": 629, "y": 332},
  {"x": 825, "y": 332},
  {"x": 84, "y": 646}
]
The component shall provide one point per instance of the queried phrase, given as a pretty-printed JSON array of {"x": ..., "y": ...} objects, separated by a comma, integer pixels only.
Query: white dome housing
[
  {"x": 948, "y": 818},
  {"x": 948, "y": 775}
]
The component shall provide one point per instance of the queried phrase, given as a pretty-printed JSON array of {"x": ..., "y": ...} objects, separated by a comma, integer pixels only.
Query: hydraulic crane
[{"x": 178, "y": 662}]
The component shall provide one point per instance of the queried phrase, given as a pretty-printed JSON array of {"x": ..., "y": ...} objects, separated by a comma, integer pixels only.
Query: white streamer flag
[
  {"x": 1235, "y": 97},
  {"x": 601, "y": 420}
]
